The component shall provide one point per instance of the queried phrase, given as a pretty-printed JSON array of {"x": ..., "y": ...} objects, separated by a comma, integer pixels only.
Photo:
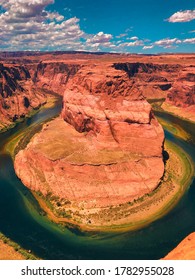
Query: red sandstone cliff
[
  {"x": 54, "y": 76},
  {"x": 18, "y": 96},
  {"x": 25, "y": 79}
]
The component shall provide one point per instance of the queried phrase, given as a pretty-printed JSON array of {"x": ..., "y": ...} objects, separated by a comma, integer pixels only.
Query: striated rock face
[
  {"x": 108, "y": 149},
  {"x": 174, "y": 82},
  {"x": 54, "y": 76},
  {"x": 104, "y": 103},
  {"x": 182, "y": 93},
  {"x": 27, "y": 78},
  {"x": 184, "y": 251},
  {"x": 18, "y": 96},
  {"x": 23, "y": 88},
  {"x": 152, "y": 80}
]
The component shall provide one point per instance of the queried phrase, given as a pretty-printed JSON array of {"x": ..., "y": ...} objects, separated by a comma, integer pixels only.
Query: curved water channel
[{"x": 22, "y": 221}]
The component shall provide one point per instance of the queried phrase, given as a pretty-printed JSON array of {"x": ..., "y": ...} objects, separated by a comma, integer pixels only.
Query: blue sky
[{"x": 139, "y": 26}]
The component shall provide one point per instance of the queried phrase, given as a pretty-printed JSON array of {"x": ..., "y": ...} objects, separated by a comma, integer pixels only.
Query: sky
[{"x": 119, "y": 26}]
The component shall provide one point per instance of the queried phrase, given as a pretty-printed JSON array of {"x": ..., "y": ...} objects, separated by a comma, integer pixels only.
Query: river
[{"x": 22, "y": 220}]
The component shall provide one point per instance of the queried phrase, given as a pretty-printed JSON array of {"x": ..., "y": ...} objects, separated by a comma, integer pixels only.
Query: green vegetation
[
  {"x": 4, "y": 127},
  {"x": 55, "y": 204}
]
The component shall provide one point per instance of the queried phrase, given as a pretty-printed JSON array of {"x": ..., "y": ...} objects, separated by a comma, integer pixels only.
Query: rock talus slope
[{"x": 106, "y": 148}]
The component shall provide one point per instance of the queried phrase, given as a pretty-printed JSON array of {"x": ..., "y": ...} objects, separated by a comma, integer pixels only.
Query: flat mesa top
[{"x": 86, "y": 58}]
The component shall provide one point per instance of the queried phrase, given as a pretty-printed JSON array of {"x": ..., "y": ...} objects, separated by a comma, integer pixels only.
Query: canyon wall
[
  {"x": 53, "y": 76},
  {"x": 18, "y": 95},
  {"x": 24, "y": 88},
  {"x": 25, "y": 81},
  {"x": 173, "y": 82}
]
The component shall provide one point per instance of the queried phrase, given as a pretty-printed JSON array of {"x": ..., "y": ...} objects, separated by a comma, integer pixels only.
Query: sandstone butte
[{"x": 108, "y": 149}]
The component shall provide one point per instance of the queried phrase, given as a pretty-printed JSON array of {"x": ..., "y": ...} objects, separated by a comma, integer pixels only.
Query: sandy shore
[
  {"x": 187, "y": 113},
  {"x": 7, "y": 252}
]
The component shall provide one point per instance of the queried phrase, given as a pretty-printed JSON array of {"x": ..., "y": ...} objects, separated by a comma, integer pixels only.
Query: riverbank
[
  {"x": 186, "y": 114},
  {"x": 10, "y": 125},
  {"x": 21, "y": 139},
  {"x": 9, "y": 250}
]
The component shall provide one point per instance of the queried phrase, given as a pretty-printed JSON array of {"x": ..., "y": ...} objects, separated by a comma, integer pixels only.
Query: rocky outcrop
[
  {"x": 174, "y": 82},
  {"x": 152, "y": 80},
  {"x": 184, "y": 251},
  {"x": 54, "y": 76},
  {"x": 180, "y": 99},
  {"x": 182, "y": 93},
  {"x": 18, "y": 96},
  {"x": 108, "y": 149},
  {"x": 25, "y": 87}
]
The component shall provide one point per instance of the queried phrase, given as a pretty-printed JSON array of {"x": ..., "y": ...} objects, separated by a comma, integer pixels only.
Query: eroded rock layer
[
  {"x": 27, "y": 78},
  {"x": 54, "y": 76},
  {"x": 106, "y": 150},
  {"x": 18, "y": 96}
]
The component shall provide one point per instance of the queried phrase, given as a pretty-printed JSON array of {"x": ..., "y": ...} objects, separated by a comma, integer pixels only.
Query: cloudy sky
[{"x": 134, "y": 26}]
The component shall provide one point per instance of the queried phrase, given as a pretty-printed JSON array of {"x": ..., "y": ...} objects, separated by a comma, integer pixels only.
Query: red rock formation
[
  {"x": 30, "y": 76},
  {"x": 110, "y": 152},
  {"x": 54, "y": 76},
  {"x": 182, "y": 93},
  {"x": 18, "y": 96}
]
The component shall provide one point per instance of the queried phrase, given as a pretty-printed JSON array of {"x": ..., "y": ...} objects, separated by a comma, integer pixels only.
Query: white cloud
[
  {"x": 122, "y": 35},
  {"x": 170, "y": 47},
  {"x": 173, "y": 43},
  {"x": 189, "y": 41},
  {"x": 55, "y": 16},
  {"x": 136, "y": 43},
  {"x": 100, "y": 37},
  {"x": 133, "y": 38},
  {"x": 148, "y": 47},
  {"x": 182, "y": 16},
  {"x": 27, "y": 25},
  {"x": 166, "y": 42}
]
